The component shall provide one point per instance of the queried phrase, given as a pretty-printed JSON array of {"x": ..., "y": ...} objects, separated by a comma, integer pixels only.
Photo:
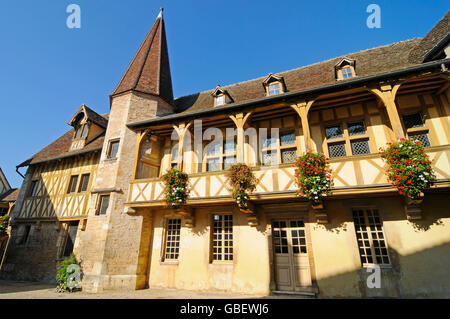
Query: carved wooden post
[
  {"x": 181, "y": 130},
  {"x": 239, "y": 120},
  {"x": 387, "y": 93},
  {"x": 302, "y": 110}
]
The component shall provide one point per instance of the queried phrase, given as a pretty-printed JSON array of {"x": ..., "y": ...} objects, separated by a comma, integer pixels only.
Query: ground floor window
[
  {"x": 172, "y": 240},
  {"x": 70, "y": 233},
  {"x": 371, "y": 241},
  {"x": 222, "y": 243}
]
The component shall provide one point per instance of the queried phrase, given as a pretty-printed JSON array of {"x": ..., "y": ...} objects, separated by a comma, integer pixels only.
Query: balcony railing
[{"x": 349, "y": 173}]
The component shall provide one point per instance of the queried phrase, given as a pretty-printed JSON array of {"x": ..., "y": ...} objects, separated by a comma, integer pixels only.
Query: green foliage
[
  {"x": 176, "y": 188},
  {"x": 409, "y": 168},
  {"x": 4, "y": 222},
  {"x": 63, "y": 274},
  {"x": 313, "y": 178},
  {"x": 242, "y": 182}
]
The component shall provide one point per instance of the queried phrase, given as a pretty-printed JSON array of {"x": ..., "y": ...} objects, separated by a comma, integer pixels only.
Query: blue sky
[{"x": 49, "y": 70}]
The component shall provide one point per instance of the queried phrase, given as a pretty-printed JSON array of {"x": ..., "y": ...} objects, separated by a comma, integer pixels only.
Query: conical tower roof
[{"x": 149, "y": 71}]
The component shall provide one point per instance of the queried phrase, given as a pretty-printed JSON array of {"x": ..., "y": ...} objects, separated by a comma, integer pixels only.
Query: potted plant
[
  {"x": 4, "y": 223},
  {"x": 313, "y": 178},
  {"x": 176, "y": 189},
  {"x": 409, "y": 168},
  {"x": 242, "y": 182}
]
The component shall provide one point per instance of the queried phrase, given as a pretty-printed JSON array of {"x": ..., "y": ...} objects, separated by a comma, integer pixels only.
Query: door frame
[{"x": 289, "y": 211}]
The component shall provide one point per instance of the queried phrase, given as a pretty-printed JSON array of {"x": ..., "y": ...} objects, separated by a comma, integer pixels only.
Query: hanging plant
[
  {"x": 313, "y": 178},
  {"x": 4, "y": 222},
  {"x": 176, "y": 188},
  {"x": 242, "y": 182},
  {"x": 409, "y": 168}
]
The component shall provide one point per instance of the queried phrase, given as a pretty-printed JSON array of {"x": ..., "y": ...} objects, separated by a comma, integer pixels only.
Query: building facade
[
  {"x": 8, "y": 198},
  {"x": 97, "y": 191}
]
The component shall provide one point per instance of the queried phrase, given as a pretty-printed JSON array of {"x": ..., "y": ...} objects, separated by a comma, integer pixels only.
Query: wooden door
[{"x": 292, "y": 270}]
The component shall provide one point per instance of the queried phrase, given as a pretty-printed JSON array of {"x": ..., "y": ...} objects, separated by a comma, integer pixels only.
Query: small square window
[
  {"x": 423, "y": 137},
  {"x": 287, "y": 139},
  {"x": 73, "y": 184},
  {"x": 113, "y": 149},
  {"x": 337, "y": 150},
  {"x": 347, "y": 73},
  {"x": 288, "y": 156},
  {"x": 413, "y": 120},
  {"x": 84, "y": 182},
  {"x": 228, "y": 162},
  {"x": 360, "y": 147},
  {"x": 220, "y": 100},
  {"x": 356, "y": 128},
  {"x": 229, "y": 147},
  {"x": 333, "y": 132},
  {"x": 213, "y": 165},
  {"x": 274, "y": 88},
  {"x": 103, "y": 205}
]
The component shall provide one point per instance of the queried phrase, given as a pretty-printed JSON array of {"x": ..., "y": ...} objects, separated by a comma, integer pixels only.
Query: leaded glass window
[
  {"x": 270, "y": 158},
  {"x": 213, "y": 164},
  {"x": 337, "y": 150},
  {"x": 360, "y": 147},
  {"x": 333, "y": 132},
  {"x": 423, "y": 137},
  {"x": 288, "y": 156},
  {"x": 287, "y": 139},
  {"x": 356, "y": 128},
  {"x": 413, "y": 120}
]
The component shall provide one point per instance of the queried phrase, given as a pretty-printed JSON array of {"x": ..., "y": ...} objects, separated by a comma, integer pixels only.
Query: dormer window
[
  {"x": 345, "y": 69},
  {"x": 347, "y": 72},
  {"x": 220, "y": 100},
  {"x": 274, "y": 88},
  {"x": 81, "y": 131},
  {"x": 221, "y": 96},
  {"x": 274, "y": 84}
]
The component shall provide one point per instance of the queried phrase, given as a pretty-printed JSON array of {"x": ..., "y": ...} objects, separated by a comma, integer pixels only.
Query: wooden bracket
[
  {"x": 250, "y": 212},
  {"x": 320, "y": 212},
  {"x": 188, "y": 215},
  {"x": 413, "y": 208}
]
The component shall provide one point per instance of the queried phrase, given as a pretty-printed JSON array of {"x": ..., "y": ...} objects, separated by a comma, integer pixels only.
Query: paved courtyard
[{"x": 29, "y": 290}]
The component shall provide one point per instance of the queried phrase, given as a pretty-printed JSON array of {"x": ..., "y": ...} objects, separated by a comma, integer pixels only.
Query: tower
[{"x": 114, "y": 245}]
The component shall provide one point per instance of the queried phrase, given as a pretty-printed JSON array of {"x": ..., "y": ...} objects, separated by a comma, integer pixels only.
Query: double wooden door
[{"x": 291, "y": 260}]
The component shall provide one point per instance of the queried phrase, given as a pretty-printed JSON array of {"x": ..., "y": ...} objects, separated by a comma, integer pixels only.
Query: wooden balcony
[{"x": 352, "y": 174}]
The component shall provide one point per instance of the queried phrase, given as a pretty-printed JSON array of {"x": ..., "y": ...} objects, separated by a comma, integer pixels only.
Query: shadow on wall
[{"x": 35, "y": 247}]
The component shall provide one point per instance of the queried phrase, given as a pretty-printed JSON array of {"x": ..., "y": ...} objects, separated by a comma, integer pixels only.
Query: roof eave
[{"x": 293, "y": 94}]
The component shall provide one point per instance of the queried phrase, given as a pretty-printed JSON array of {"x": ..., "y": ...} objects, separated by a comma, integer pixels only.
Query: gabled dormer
[
  {"x": 274, "y": 84},
  {"x": 221, "y": 96},
  {"x": 87, "y": 126},
  {"x": 345, "y": 69}
]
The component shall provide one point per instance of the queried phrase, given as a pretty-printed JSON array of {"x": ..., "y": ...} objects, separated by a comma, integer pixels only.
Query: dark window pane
[
  {"x": 333, "y": 132},
  {"x": 423, "y": 137},
  {"x": 287, "y": 139},
  {"x": 73, "y": 184},
  {"x": 413, "y": 120},
  {"x": 84, "y": 182},
  {"x": 357, "y": 128},
  {"x": 104, "y": 203},
  {"x": 360, "y": 147},
  {"x": 70, "y": 239},
  {"x": 337, "y": 150},
  {"x": 113, "y": 149}
]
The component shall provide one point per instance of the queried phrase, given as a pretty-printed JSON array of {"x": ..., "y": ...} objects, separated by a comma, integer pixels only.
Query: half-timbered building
[{"x": 97, "y": 190}]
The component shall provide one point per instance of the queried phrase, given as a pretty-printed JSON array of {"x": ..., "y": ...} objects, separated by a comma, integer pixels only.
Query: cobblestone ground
[{"x": 29, "y": 290}]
